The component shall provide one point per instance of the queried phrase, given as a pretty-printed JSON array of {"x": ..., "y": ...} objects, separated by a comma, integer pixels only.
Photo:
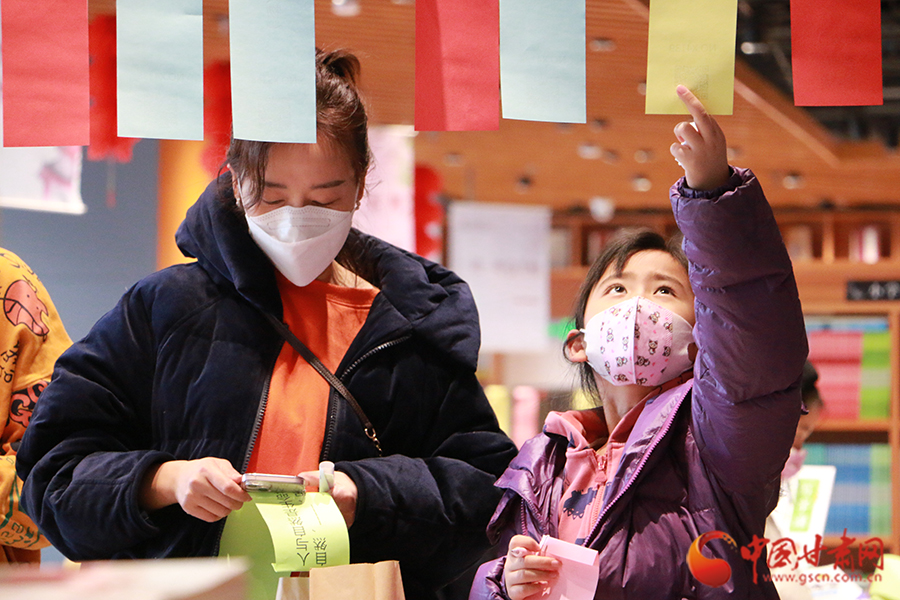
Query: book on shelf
[
  {"x": 861, "y": 498},
  {"x": 852, "y": 356}
]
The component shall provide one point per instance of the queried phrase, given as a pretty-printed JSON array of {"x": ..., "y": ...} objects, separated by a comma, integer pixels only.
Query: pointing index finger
[{"x": 695, "y": 107}]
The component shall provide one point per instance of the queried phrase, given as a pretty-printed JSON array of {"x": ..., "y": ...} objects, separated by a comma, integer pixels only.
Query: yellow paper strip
[
  {"x": 691, "y": 42},
  {"x": 305, "y": 533}
]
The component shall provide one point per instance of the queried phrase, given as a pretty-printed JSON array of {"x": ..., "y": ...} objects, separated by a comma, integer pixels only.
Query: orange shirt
[{"x": 326, "y": 318}]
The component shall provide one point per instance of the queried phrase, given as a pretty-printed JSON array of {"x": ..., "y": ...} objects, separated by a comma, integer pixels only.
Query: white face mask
[
  {"x": 301, "y": 242},
  {"x": 638, "y": 342}
]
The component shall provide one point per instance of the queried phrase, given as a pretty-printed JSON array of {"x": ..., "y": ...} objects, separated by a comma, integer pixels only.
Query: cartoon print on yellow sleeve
[
  {"x": 23, "y": 402},
  {"x": 22, "y": 306}
]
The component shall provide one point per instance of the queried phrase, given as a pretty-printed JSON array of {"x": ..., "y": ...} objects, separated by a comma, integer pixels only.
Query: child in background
[
  {"x": 788, "y": 589},
  {"x": 695, "y": 358},
  {"x": 808, "y": 421}
]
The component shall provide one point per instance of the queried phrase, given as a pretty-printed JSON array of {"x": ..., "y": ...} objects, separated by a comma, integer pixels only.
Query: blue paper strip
[
  {"x": 160, "y": 68},
  {"x": 542, "y": 60},
  {"x": 273, "y": 77}
]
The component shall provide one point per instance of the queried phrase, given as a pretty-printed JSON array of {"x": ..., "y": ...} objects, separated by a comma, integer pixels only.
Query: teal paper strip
[
  {"x": 542, "y": 60},
  {"x": 160, "y": 68},
  {"x": 273, "y": 78}
]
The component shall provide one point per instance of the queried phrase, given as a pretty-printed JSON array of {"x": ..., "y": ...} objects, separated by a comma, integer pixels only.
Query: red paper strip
[
  {"x": 836, "y": 52},
  {"x": 457, "y": 65},
  {"x": 46, "y": 95}
]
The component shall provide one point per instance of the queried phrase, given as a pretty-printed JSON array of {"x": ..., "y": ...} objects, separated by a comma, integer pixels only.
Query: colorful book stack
[
  {"x": 861, "y": 500},
  {"x": 852, "y": 356}
]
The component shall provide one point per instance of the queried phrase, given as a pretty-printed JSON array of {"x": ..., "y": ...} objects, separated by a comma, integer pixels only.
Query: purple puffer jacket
[{"x": 706, "y": 455}]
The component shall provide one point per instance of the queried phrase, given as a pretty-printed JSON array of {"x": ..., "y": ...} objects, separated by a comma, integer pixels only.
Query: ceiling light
[
  {"x": 589, "y": 151},
  {"x": 345, "y": 8},
  {"x": 453, "y": 159},
  {"x": 792, "y": 181},
  {"x": 602, "y": 209},
  {"x": 643, "y": 156},
  {"x": 640, "y": 183},
  {"x": 523, "y": 184},
  {"x": 598, "y": 124},
  {"x": 754, "y": 48},
  {"x": 602, "y": 45}
]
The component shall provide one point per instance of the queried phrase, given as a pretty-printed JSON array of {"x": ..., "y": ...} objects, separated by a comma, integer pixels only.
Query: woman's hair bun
[{"x": 340, "y": 63}]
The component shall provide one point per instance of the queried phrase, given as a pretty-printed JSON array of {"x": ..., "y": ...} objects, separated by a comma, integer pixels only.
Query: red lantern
[
  {"x": 429, "y": 213},
  {"x": 216, "y": 115},
  {"x": 105, "y": 143}
]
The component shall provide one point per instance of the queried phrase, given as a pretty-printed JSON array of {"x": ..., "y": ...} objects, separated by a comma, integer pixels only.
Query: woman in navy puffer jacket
[
  {"x": 694, "y": 429},
  {"x": 136, "y": 449}
]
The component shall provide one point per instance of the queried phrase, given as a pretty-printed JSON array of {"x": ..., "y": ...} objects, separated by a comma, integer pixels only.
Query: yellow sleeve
[
  {"x": 16, "y": 529},
  {"x": 31, "y": 339}
]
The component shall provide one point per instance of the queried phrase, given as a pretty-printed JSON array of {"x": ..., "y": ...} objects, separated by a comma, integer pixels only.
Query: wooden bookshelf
[
  {"x": 823, "y": 268},
  {"x": 855, "y": 425}
]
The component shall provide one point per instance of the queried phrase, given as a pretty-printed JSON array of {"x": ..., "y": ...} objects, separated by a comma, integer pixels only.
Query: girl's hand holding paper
[{"x": 527, "y": 574}]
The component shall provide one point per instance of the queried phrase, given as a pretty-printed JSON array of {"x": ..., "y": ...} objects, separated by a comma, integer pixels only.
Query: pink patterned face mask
[{"x": 638, "y": 342}]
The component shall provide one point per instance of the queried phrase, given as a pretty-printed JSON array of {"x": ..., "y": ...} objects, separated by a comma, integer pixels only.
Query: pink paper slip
[{"x": 579, "y": 573}]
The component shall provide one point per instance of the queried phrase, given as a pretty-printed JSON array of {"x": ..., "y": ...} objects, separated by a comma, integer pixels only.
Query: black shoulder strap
[{"x": 330, "y": 377}]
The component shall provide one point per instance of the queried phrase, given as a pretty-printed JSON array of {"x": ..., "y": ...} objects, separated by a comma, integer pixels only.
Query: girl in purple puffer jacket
[{"x": 696, "y": 356}]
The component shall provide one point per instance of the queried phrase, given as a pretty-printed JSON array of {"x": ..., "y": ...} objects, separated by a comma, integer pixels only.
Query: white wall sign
[
  {"x": 503, "y": 252},
  {"x": 43, "y": 178}
]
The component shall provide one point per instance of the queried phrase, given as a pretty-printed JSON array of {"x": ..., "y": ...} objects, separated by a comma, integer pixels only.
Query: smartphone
[{"x": 263, "y": 482}]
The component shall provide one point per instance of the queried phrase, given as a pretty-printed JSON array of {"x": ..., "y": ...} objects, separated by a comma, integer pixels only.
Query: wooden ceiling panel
[{"x": 540, "y": 163}]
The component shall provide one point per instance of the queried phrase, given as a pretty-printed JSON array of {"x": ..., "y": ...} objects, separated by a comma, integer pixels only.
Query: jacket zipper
[
  {"x": 257, "y": 425},
  {"x": 254, "y": 434},
  {"x": 332, "y": 398},
  {"x": 595, "y": 530},
  {"x": 525, "y": 507},
  {"x": 379, "y": 348}
]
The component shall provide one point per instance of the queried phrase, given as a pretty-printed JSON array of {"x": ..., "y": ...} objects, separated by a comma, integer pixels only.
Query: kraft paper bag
[
  {"x": 378, "y": 581},
  {"x": 293, "y": 588}
]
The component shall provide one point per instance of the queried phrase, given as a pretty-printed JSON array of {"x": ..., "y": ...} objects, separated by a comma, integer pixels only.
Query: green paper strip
[{"x": 305, "y": 533}]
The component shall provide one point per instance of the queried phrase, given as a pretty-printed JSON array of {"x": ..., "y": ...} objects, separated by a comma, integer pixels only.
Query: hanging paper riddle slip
[
  {"x": 691, "y": 42},
  {"x": 306, "y": 532}
]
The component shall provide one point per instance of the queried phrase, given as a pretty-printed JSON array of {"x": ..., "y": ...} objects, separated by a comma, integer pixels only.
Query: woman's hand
[
  {"x": 700, "y": 149},
  {"x": 344, "y": 493},
  {"x": 206, "y": 488},
  {"x": 527, "y": 574}
]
